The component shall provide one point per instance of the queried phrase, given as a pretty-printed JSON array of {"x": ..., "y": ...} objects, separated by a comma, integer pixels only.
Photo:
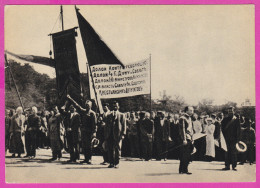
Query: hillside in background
[
  {"x": 33, "y": 87},
  {"x": 40, "y": 90}
]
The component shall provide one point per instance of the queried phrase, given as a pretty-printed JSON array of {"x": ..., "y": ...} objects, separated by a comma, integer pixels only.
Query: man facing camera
[
  {"x": 114, "y": 134},
  {"x": 186, "y": 133},
  {"x": 231, "y": 130}
]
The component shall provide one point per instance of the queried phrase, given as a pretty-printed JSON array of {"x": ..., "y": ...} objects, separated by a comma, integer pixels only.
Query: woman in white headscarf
[
  {"x": 17, "y": 129},
  {"x": 210, "y": 144}
]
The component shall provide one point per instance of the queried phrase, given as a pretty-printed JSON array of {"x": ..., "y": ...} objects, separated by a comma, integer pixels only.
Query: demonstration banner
[
  {"x": 66, "y": 65},
  {"x": 114, "y": 81}
]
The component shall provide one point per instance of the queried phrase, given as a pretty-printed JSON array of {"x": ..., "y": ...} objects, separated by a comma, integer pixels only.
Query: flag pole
[
  {"x": 61, "y": 13},
  {"x": 10, "y": 71},
  {"x": 93, "y": 85},
  {"x": 150, "y": 84}
]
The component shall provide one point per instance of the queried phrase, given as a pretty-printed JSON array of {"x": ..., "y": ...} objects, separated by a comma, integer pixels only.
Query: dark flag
[
  {"x": 96, "y": 50},
  {"x": 34, "y": 59},
  {"x": 66, "y": 65}
]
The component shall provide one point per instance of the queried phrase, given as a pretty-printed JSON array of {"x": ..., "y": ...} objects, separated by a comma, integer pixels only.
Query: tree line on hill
[{"x": 39, "y": 90}]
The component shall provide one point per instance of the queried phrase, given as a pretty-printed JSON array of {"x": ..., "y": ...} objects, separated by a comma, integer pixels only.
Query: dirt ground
[{"x": 40, "y": 170}]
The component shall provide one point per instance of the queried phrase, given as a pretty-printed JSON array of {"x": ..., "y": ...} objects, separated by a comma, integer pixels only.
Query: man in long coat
[
  {"x": 34, "y": 124},
  {"x": 72, "y": 127},
  {"x": 147, "y": 136},
  {"x": 248, "y": 137},
  {"x": 161, "y": 135},
  {"x": 186, "y": 133},
  {"x": 88, "y": 128},
  {"x": 56, "y": 133},
  {"x": 8, "y": 117},
  {"x": 101, "y": 132},
  {"x": 231, "y": 130},
  {"x": 115, "y": 132}
]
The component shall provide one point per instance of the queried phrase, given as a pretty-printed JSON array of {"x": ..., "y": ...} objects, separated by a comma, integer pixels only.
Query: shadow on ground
[
  {"x": 160, "y": 174},
  {"x": 86, "y": 167},
  {"x": 22, "y": 166}
]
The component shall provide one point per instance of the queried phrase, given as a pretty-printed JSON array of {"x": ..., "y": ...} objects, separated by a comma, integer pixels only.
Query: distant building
[{"x": 246, "y": 103}]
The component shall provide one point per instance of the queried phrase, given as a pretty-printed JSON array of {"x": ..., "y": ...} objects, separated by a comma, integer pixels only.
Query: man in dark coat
[
  {"x": 88, "y": 128},
  {"x": 231, "y": 130},
  {"x": 186, "y": 133},
  {"x": 175, "y": 136},
  {"x": 162, "y": 134},
  {"x": 72, "y": 127},
  {"x": 101, "y": 132},
  {"x": 8, "y": 117},
  {"x": 147, "y": 136},
  {"x": 115, "y": 132},
  {"x": 34, "y": 124},
  {"x": 248, "y": 137}
]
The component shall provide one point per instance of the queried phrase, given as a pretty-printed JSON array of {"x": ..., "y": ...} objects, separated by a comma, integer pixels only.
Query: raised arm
[
  {"x": 76, "y": 104},
  {"x": 62, "y": 109}
]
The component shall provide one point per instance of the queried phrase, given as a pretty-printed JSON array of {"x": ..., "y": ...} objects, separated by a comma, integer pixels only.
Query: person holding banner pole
[{"x": 88, "y": 128}]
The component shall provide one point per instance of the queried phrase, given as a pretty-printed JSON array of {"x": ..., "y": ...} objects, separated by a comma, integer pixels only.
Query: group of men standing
[
  {"x": 80, "y": 124},
  {"x": 231, "y": 129},
  {"x": 84, "y": 125}
]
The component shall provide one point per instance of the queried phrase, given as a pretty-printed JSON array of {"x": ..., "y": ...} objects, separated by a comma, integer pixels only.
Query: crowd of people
[{"x": 185, "y": 135}]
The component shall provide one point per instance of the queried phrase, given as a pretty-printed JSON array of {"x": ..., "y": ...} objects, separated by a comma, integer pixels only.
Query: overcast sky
[{"x": 197, "y": 51}]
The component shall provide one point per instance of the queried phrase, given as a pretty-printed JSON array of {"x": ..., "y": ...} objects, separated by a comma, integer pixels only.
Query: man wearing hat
[
  {"x": 231, "y": 130},
  {"x": 186, "y": 133},
  {"x": 72, "y": 126}
]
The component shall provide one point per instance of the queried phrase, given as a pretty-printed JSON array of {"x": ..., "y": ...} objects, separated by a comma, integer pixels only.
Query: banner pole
[
  {"x": 93, "y": 85},
  {"x": 10, "y": 71},
  {"x": 151, "y": 84},
  {"x": 62, "y": 22}
]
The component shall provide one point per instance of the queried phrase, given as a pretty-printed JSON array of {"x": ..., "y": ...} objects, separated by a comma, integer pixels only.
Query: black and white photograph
[{"x": 129, "y": 93}]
